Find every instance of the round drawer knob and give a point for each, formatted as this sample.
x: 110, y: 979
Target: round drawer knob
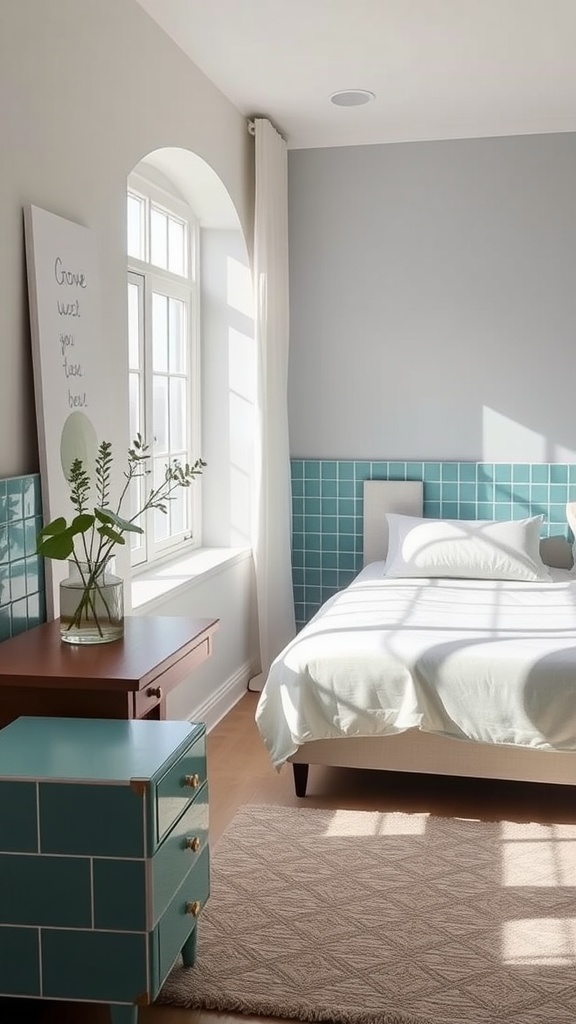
x: 193, y: 781
x: 154, y: 691
x: 193, y: 908
x: 193, y: 843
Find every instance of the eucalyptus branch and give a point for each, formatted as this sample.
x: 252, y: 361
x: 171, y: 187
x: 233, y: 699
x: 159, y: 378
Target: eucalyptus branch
x: 99, y: 530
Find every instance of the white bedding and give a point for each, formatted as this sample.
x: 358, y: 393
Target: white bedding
x: 491, y: 661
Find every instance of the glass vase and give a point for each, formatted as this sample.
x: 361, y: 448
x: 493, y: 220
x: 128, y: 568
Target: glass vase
x: 91, y: 604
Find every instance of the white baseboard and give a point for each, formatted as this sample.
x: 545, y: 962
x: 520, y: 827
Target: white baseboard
x: 212, y: 711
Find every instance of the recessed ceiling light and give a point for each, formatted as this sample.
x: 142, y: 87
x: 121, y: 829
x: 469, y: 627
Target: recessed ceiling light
x: 352, y: 97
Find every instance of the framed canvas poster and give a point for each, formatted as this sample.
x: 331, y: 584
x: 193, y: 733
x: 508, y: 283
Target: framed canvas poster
x: 69, y: 372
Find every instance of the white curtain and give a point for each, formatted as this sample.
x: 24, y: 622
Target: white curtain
x: 273, y: 521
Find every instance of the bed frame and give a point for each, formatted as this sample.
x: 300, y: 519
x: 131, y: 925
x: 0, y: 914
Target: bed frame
x: 413, y: 750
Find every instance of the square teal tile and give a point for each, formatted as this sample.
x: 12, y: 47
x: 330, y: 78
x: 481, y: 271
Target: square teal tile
x: 558, y: 474
x: 14, y: 491
x: 346, y: 471
x: 312, y: 487
x: 329, y: 488
x: 431, y: 471
x: 559, y: 493
x: 449, y: 510
x: 449, y: 492
x: 467, y: 472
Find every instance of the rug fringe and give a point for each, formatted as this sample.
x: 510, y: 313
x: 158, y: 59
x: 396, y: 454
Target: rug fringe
x: 289, y: 1012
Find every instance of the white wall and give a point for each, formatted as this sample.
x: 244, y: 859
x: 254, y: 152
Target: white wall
x: 433, y: 300
x: 88, y: 88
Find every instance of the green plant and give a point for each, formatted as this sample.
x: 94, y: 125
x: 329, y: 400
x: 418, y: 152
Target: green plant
x: 90, y: 537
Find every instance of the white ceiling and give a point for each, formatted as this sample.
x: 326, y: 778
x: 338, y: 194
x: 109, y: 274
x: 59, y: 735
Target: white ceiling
x: 441, y: 69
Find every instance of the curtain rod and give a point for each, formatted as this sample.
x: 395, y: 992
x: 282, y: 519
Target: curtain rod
x: 251, y: 125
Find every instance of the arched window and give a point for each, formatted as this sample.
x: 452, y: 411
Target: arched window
x: 164, y: 347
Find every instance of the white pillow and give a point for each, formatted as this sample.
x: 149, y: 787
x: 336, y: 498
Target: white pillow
x: 465, y: 548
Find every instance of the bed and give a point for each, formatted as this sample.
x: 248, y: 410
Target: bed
x: 455, y: 676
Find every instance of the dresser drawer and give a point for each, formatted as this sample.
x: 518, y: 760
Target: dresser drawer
x: 180, y: 850
x: 178, y: 922
x: 179, y: 786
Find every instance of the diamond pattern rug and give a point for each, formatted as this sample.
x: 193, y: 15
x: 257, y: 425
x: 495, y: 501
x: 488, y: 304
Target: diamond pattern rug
x: 367, y: 917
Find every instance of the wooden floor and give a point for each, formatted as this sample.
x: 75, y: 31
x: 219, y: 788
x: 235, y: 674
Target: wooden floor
x: 240, y: 772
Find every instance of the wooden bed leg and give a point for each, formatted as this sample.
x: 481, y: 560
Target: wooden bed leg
x: 300, y: 778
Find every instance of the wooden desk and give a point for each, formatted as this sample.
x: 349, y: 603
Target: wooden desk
x: 129, y: 678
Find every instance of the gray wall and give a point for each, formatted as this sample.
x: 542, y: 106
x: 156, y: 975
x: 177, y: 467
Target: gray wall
x: 433, y: 300
x: 88, y: 88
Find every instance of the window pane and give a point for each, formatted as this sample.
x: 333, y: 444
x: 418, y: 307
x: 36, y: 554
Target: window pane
x: 176, y: 247
x: 161, y: 520
x: 136, y: 500
x: 160, y: 413
x: 177, y: 336
x: 133, y: 326
x: 159, y: 332
x: 134, y: 393
x: 159, y: 238
x: 178, y: 413
x: 135, y: 232
x: 178, y: 511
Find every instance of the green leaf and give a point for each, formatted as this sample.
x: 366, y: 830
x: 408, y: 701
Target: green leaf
x: 111, y: 519
x: 56, y: 526
x: 81, y: 523
x: 59, y: 546
x: 110, y: 534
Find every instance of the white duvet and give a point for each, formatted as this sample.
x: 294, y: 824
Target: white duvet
x: 474, y: 659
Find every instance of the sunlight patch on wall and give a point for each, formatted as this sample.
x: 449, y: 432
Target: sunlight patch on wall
x: 240, y: 295
x: 505, y: 440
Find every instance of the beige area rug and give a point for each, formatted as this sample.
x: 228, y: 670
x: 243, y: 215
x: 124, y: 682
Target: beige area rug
x: 361, y: 917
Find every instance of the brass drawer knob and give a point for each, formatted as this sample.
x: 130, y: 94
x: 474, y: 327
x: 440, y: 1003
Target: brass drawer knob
x: 154, y: 691
x: 193, y: 908
x: 193, y: 781
x: 193, y: 843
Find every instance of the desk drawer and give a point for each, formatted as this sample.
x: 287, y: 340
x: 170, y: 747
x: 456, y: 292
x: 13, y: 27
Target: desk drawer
x: 179, y: 786
x: 147, y: 699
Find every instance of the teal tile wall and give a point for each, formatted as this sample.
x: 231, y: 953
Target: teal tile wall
x: 22, y: 603
x: 327, y: 507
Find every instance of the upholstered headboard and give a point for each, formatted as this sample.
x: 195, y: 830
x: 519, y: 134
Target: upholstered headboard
x: 407, y: 498
x: 381, y: 496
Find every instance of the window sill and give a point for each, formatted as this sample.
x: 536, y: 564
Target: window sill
x: 152, y: 585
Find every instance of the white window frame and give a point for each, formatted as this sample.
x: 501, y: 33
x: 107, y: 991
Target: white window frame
x: 149, y: 278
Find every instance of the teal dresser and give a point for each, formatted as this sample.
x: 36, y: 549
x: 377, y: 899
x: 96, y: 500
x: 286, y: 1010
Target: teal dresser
x: 104, y: 857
